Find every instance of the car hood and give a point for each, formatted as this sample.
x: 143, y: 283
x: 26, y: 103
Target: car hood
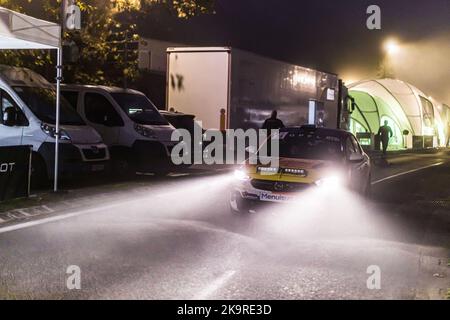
x: 82, y: 134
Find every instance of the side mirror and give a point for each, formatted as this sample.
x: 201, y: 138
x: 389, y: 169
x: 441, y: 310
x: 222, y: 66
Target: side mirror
x: 10, y: 117
x: 108, y: 121
x: 356, y: 157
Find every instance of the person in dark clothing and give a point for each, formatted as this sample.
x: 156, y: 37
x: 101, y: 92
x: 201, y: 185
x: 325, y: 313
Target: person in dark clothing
x: 273, y: 122
x: 385, y: 134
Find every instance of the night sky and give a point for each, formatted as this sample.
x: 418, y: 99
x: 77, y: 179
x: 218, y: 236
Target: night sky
x: 329, y: 35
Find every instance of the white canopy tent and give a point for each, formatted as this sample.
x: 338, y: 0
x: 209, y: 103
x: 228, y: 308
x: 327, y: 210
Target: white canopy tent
x: 19, y: 32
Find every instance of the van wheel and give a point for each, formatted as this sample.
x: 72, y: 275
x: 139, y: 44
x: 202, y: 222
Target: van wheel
x: 123, y: 166
x: 39, y: 176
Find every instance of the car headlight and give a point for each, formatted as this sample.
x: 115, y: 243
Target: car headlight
x: 144, y: 131
x: 51, y: 132
x: 333, y: 181
x: 241, y: 175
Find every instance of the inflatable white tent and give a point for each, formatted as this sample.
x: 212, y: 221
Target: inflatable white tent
x: 406, y: 109
x: 19, y: 31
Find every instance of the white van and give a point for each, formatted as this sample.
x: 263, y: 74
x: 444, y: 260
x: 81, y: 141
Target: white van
x: 138, y: 136
x: 28, y: 118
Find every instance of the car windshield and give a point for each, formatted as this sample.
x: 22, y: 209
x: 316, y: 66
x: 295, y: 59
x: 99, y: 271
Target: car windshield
x: 310, y: 146
x: 139, y: 109
x: 42, y: 102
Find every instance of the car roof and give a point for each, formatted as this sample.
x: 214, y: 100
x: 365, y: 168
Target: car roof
x: 319, y: 131
x: 109, y: 89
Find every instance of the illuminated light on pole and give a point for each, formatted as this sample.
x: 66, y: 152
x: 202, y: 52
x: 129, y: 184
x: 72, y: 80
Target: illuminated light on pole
x: 391, y: 47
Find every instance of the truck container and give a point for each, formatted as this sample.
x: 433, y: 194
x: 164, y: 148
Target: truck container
x: 227, y: 88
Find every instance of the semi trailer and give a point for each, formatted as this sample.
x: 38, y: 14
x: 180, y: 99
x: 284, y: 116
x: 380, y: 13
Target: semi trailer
x: 227, y: 88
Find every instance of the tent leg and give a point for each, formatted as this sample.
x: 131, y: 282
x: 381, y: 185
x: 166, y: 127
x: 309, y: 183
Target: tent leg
x: 58, y: 103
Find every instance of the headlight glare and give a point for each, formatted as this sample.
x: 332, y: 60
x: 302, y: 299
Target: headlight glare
x: 241, y: 175
x: 333, y: 181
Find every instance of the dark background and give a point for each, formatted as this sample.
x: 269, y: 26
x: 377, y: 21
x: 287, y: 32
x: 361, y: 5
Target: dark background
x: 323, y: 34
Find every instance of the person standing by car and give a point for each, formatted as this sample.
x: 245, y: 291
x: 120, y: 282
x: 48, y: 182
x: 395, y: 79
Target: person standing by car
x: 385, y: 134
x: 273, y: 122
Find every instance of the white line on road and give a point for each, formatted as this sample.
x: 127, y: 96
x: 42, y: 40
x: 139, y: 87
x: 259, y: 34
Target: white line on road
x: 71, y: 215
x: 215, y: 285
x: 52, y: 219
x: 406, y: 172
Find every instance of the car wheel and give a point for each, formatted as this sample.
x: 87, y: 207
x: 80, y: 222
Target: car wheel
x: 39, y: 176
x: 123, y: 167
x: 238, y: 205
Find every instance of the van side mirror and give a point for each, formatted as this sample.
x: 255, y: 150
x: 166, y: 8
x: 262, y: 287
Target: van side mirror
x: 10, y: 117
x: 111, y: 120
x: 108, y: 121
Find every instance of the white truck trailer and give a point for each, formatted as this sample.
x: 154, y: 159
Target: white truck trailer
x: 227, y: 88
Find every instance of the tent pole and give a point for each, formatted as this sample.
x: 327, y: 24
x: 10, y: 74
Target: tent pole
x: 58, y: 104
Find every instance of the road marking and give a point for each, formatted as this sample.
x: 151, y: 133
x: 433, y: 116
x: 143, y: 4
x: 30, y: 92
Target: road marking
x: 71, y: 215
x: 58, y: 218
x: 215, y: 285
x: 407, y: 172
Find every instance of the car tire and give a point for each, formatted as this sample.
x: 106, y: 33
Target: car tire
x: 238, y: 205
x: 39, y: 175
x: 123, y: 166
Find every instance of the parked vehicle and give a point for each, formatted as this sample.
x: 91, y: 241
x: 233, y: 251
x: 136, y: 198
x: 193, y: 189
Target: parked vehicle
x: 227, y: 88
x: 28, y: 116
x: 138, y: 136
x: 310, y: 158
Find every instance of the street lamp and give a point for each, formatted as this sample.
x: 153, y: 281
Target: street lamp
x: 391, y: 47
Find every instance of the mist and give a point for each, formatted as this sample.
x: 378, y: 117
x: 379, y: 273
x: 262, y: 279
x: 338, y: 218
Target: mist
x: 422, y: 63
x: 426, y: 65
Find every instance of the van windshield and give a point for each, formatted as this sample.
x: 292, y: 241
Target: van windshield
x: 42, y: 102
x: 139, y: 109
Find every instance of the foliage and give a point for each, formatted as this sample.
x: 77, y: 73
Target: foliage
x: 105, y: 47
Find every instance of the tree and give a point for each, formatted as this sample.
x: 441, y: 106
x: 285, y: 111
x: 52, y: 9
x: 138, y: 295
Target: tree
x: 103, y: 51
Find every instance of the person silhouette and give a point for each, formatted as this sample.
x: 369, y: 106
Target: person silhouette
x: 273, y: 122
x: 385, y: 133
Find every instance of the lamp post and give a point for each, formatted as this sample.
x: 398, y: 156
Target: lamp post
x: 70, y: 20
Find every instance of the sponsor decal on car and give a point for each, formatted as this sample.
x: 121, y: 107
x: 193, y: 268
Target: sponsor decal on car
x: 266, y: 196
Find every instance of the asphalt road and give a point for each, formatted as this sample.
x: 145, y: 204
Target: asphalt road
x: 176, y: 239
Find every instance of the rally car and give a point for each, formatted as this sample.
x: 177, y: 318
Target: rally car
x: 309, y: 157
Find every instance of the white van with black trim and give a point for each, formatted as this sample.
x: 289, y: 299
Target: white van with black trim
x: 138, y: 136
x: 28, y: 112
